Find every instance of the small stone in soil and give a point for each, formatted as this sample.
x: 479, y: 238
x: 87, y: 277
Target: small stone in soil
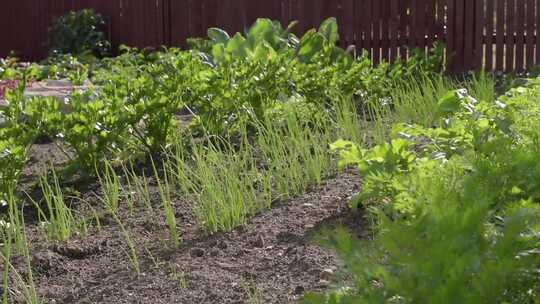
x: 299, y: 290
x: 222, y: 245
x: 197, y: 252
x: 258, y: 242
x: 327, y: 273
x: 323, y: 284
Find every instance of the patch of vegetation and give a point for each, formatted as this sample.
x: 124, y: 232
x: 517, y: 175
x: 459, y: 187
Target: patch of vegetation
x: 77, y: 33
x: 455, y: 205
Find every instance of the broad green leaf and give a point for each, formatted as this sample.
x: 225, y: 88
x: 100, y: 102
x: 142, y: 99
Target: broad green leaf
x: 329, y: 29
x: 311, y: 44
x: 263, y: 52
x: 349, y: 153
x: 218, y: 35
x: 218, y: 52
x: 450, y: 103
x: 237, y: 46
x: 263, y: 29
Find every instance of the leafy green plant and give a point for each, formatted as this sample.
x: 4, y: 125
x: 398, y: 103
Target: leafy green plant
x: 78, y: 33
x: 167, y: 204
x: 296, y: 155
x: 132, y: 246
x: 110, y: 185
x: 60, y: 224
x: 23, y: 284
x: 138, y: 191
x: 455, y: 225
x: 225, y: 185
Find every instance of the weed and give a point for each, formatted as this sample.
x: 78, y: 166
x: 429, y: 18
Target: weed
x: 138, y: 190
x: 167, y: 204
x: 110, y: 184
x: 60, y: 223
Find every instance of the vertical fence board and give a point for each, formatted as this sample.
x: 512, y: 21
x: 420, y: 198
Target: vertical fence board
x: 441, y: 19
x: 459, y: 59
x: 520, y: 35
x: 421, y: 24
x: 529, y: 47
x: 450, y: 35
x: 366, y: 17
x: 431, y: 24
x: 347, y: 23
x: 405, y: 29
x: 358, y: 25
x: 376, y: 29
x: 490, y: 9
x: 377, y: 32
x: 537, y: 32
x: 416, y: 23
x: 394, y: 32
x: 468, y: 34
x: 500, y: 32
x: 479, y: 28
x: 510, y: 30
x: 385, y: 29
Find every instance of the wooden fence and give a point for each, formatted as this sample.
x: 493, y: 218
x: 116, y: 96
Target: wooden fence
x: 498, y: 35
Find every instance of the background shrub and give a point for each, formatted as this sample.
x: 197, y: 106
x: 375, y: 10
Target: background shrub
x: 79, y: 33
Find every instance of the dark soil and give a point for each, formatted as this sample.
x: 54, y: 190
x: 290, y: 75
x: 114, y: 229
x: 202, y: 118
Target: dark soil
x: 272, y: 259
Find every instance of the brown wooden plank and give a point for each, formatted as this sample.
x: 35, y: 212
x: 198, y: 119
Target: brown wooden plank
x: 458, y: 61
x: 367, y: 17
x: 431, y: 22
x: 468, y: 34
x: 510, y: 32
x: 537, y: 32
x: 285, y: 12
x: 520, y: 35
x: 145, y: 12
x: 167, y: 39
x: 394, y: 29
x: 376, y: 28
x: 136, y: 28
x: 451, y: 32
x: 414, y: 24
x: 421, y: 24
x: 529, y: 54
x: 316, y: 13
x: 385, y: 30
x: 297, y: 14
x: 479, y: 29
x: 500, y: 32
x: 441, y: 20
x: 358, y: 27
x: 347, y: 31
x: 5, y: 39
x: 489, y: 17
x: 158, y: 29
x: 179, y: 15
x: 252, y: 11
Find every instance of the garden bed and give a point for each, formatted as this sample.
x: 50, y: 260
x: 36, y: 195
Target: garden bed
x: 272, y: 259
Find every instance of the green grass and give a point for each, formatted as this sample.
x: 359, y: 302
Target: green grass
x: 166, y: 202
x: 296, y: 155
x: 223, y: 182
x: 60, y: 224
x: 110, y: 185
x: 23, y: 284
x: 415, y: 100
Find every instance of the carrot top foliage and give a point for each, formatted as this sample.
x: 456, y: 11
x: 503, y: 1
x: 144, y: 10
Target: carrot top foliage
x: 456, y: 207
